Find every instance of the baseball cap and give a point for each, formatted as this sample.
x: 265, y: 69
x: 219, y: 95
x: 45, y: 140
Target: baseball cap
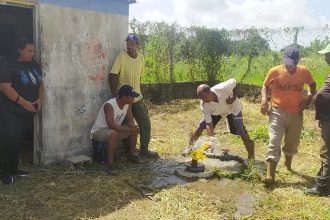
x: 133, y: 37
x: 127, y: 90
x: 291, y: 56
x: 325, y: 50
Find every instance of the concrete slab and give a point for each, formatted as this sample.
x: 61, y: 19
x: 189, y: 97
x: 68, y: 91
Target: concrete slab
x: 79, y: 159
x: 232, y: 167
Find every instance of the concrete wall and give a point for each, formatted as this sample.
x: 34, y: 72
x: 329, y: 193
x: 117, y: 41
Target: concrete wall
x: 78, y: 47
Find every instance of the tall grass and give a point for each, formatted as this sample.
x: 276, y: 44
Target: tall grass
x: 236, y: 67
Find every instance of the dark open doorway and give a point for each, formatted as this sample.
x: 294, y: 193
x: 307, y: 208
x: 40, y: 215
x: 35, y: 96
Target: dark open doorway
x: 17, y: 21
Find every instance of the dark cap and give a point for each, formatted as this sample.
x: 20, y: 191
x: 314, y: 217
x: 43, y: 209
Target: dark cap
x: 133, y: 38
x: 127, y: 90
x: 291, y: 56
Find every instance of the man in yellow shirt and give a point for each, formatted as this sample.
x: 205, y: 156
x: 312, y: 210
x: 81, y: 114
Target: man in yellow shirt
x: 127, y: 70
x: 284, y: 84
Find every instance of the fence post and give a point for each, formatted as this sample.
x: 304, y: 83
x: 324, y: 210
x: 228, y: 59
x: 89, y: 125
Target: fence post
x: 296, y: 37
x: 171, y: 54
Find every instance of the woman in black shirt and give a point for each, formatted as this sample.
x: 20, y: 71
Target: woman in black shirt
x: 21, y: 94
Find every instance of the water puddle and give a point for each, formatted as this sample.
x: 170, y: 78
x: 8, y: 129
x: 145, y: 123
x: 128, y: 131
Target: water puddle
x: 168, y: 171
x: 165, y: 173
x: 226, y: 190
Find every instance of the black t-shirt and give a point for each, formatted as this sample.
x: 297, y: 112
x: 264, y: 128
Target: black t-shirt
x: 25, y: 78
x: 322, y: 101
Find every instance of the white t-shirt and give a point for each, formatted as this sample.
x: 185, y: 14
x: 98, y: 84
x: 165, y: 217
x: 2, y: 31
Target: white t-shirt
x: 223, y: 91
x: 118, y: 116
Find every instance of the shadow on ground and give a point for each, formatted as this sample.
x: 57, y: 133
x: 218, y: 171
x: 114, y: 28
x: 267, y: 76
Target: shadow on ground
x: 87, y: 191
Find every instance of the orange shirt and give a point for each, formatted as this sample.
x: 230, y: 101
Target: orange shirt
x: 286, y: 89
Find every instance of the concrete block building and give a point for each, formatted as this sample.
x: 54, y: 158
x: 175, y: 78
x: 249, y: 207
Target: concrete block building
x: 77, y: 42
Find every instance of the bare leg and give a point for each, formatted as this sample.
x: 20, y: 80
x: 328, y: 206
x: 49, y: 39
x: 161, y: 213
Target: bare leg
x: 132, y: 143
x: 249, y: 145
x: 269, y: 179
x: 288, y: 162
x: 112, y: 145
x: 198, y: 132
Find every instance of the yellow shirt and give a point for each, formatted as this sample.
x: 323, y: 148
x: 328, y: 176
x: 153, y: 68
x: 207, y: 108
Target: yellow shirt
x: 286, y: 89
x: 129, y: 71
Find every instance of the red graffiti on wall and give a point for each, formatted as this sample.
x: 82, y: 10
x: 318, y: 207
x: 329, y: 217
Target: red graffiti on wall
x: 90, y: 57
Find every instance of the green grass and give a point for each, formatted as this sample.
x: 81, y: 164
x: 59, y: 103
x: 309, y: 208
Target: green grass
x: 71, y: 194
x: 260, y: 133
x: 234, y: 67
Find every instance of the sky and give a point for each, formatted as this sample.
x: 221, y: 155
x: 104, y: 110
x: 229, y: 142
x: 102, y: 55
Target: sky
x: 234, y: 14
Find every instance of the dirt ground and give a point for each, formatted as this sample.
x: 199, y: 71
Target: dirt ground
x: 87, y: 192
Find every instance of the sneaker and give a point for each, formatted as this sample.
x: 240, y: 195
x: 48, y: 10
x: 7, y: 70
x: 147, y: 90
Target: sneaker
x: 7, y: 179
x: 20, y: 173
x: 134, y: 158
x: 149, y: 154
x: 111, y: 170
x: 314, y: 191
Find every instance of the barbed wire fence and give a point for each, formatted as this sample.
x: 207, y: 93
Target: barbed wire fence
x: 174, y: 53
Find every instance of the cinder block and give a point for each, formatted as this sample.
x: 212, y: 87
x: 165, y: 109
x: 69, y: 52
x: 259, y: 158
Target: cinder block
x: 79, y: 159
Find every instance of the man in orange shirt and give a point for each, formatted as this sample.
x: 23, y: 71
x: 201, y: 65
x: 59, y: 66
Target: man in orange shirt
x: 284, y: 84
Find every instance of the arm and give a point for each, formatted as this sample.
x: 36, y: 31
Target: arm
x: 232, y: 99
x: 108, y: 111
x: 264, y: 100
x: 131, y: 123
x: 12, y: 95
x: 40, y: 98
x: 114, y: 75
x: 310, y: 95
x: 113, y: 83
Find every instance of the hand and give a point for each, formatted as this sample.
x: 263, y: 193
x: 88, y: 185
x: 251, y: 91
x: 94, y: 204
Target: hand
x: 230, y: 100
x: 264, y: 108
x: 28, y: 106
x: 37, y: 104
x: 304, y: 104
x: 135, y: 130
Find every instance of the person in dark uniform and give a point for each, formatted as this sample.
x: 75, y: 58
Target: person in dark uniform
x: 21, y: 94
x: 322, y: 107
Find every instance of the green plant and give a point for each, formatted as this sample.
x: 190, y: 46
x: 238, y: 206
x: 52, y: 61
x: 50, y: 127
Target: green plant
x: 308, y: 134
x: 251, y: 172
x: 260, y: 132
x: 219, y: 173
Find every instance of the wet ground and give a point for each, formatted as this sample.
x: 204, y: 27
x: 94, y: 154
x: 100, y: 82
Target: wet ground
x: 166, y: 175
x: 226, y: 190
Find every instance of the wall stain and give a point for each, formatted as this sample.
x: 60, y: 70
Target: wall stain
x: 90, y: 57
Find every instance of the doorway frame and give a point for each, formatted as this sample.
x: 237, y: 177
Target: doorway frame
x: 37, y: 125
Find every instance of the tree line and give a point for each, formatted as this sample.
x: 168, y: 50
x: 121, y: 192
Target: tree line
x: 174, y: 53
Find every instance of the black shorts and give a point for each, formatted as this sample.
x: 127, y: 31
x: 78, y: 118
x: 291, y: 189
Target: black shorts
x: 235, y: 122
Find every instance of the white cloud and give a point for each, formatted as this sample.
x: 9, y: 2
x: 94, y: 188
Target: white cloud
x: 151, y: 10
x: 246, y: 13
x: 155, y: 15
x: 229, y: 13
